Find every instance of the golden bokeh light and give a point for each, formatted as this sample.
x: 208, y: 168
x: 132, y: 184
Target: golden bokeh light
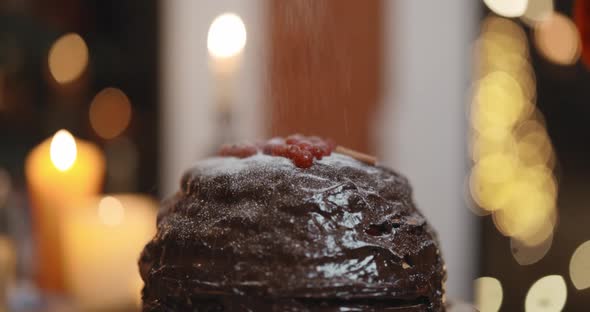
x: 511, y: 42
x: 537, y: 11
x: 62, y: 150
x: 495, y: 168
x: 507, y: 8
x: 558, y: 40
x: 528, y: 84
x: 487, y: 143
x: 227, y: 36
x: 110, y: 113
x: 497, y: 24
x: 498, y: 101
x: 486, y: 195
x: 494, y: 56
x: 512, y: 175
x: 533, y: 144
x: 580, y: 266
x: 488, y: 294
x: 525, y: 211
x: 534, y: 149
x: 526, y: 254
x: 547, y: 294
x: 68, y: 58
x: 111, y: 211
x: 541, y: 177
x: 492, y: 132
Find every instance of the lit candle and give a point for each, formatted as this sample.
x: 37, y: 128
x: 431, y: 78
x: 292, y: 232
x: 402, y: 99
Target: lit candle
x: 226, y: 40
x: 60, y: 171
x: 102, y: 243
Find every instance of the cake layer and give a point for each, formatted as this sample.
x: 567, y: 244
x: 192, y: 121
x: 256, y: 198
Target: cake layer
x: 260, y: 227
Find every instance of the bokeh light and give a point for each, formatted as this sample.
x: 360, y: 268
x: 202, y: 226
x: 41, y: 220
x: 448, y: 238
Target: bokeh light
x: 68, y: 58
x: 486, y: 144
x: 507, y: 8
x: 526, y: 254
x: 558, y: 40
x: 547, y: 294
x: 495, y: 168
x: 488, y: 294
x: 111, y: 211
x: 226, y: 36
x: 110, y: 113
x: 512, y: 174
x: 526, y: 209
x: 498, y: 101
x: 580, y: 266
x: 537, y: 11
x: 497, y: 24
x: 62, y: 150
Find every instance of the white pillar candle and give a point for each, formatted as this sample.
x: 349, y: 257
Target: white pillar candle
x: 102, y: 243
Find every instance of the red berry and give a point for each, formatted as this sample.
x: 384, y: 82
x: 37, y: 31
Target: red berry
x: 279, y: 150
x: 300, y: 149
x: 304, y: 145
x: 293, y: 151
x: 246, y: 150
x: 225, y: 150
x: 317, y: 152
x: 238, y: 150
x: 267, y: 148
x: 303, y: 160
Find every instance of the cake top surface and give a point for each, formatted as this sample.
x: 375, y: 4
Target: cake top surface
x: 261, y: 225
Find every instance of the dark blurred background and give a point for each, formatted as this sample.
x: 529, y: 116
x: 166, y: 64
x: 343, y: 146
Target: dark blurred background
x: 561, y: 97
x: 122, y: 38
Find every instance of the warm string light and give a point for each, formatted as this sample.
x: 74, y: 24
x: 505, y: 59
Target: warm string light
x: 580, y: 266
x: 507, y: 8
x: 537, y: 11
x: 555, y: 35
x: 488, y: 294
x: 558, y: 39
x: 110, y: 211
x: 68, y: 58
x: 512, y: 175
x: 547, y: 294
x: 110, y: 113
x: 529, y: 254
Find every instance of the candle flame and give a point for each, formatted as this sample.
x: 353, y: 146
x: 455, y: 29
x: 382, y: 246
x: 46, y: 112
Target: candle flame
x: 227, y: 36
x: 62, y: 150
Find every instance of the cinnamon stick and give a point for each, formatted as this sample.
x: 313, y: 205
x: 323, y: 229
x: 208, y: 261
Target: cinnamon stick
x: 366, y: 158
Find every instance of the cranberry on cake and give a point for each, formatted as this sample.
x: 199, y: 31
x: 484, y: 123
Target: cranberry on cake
x: 292, y: 224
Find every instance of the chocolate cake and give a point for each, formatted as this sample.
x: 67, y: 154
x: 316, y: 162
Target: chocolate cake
x: 258, y: 229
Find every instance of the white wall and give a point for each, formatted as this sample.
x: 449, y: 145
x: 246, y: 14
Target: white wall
x: 187, y: 102
x: 424, y: 124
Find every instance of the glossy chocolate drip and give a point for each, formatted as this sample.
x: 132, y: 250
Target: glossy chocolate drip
x: 260, y: 234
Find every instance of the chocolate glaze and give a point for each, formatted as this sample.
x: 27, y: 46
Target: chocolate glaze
x: 259, y: 234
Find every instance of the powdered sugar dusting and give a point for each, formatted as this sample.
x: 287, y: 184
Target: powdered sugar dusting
x: 216, y: 166
x: 232, y: 165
